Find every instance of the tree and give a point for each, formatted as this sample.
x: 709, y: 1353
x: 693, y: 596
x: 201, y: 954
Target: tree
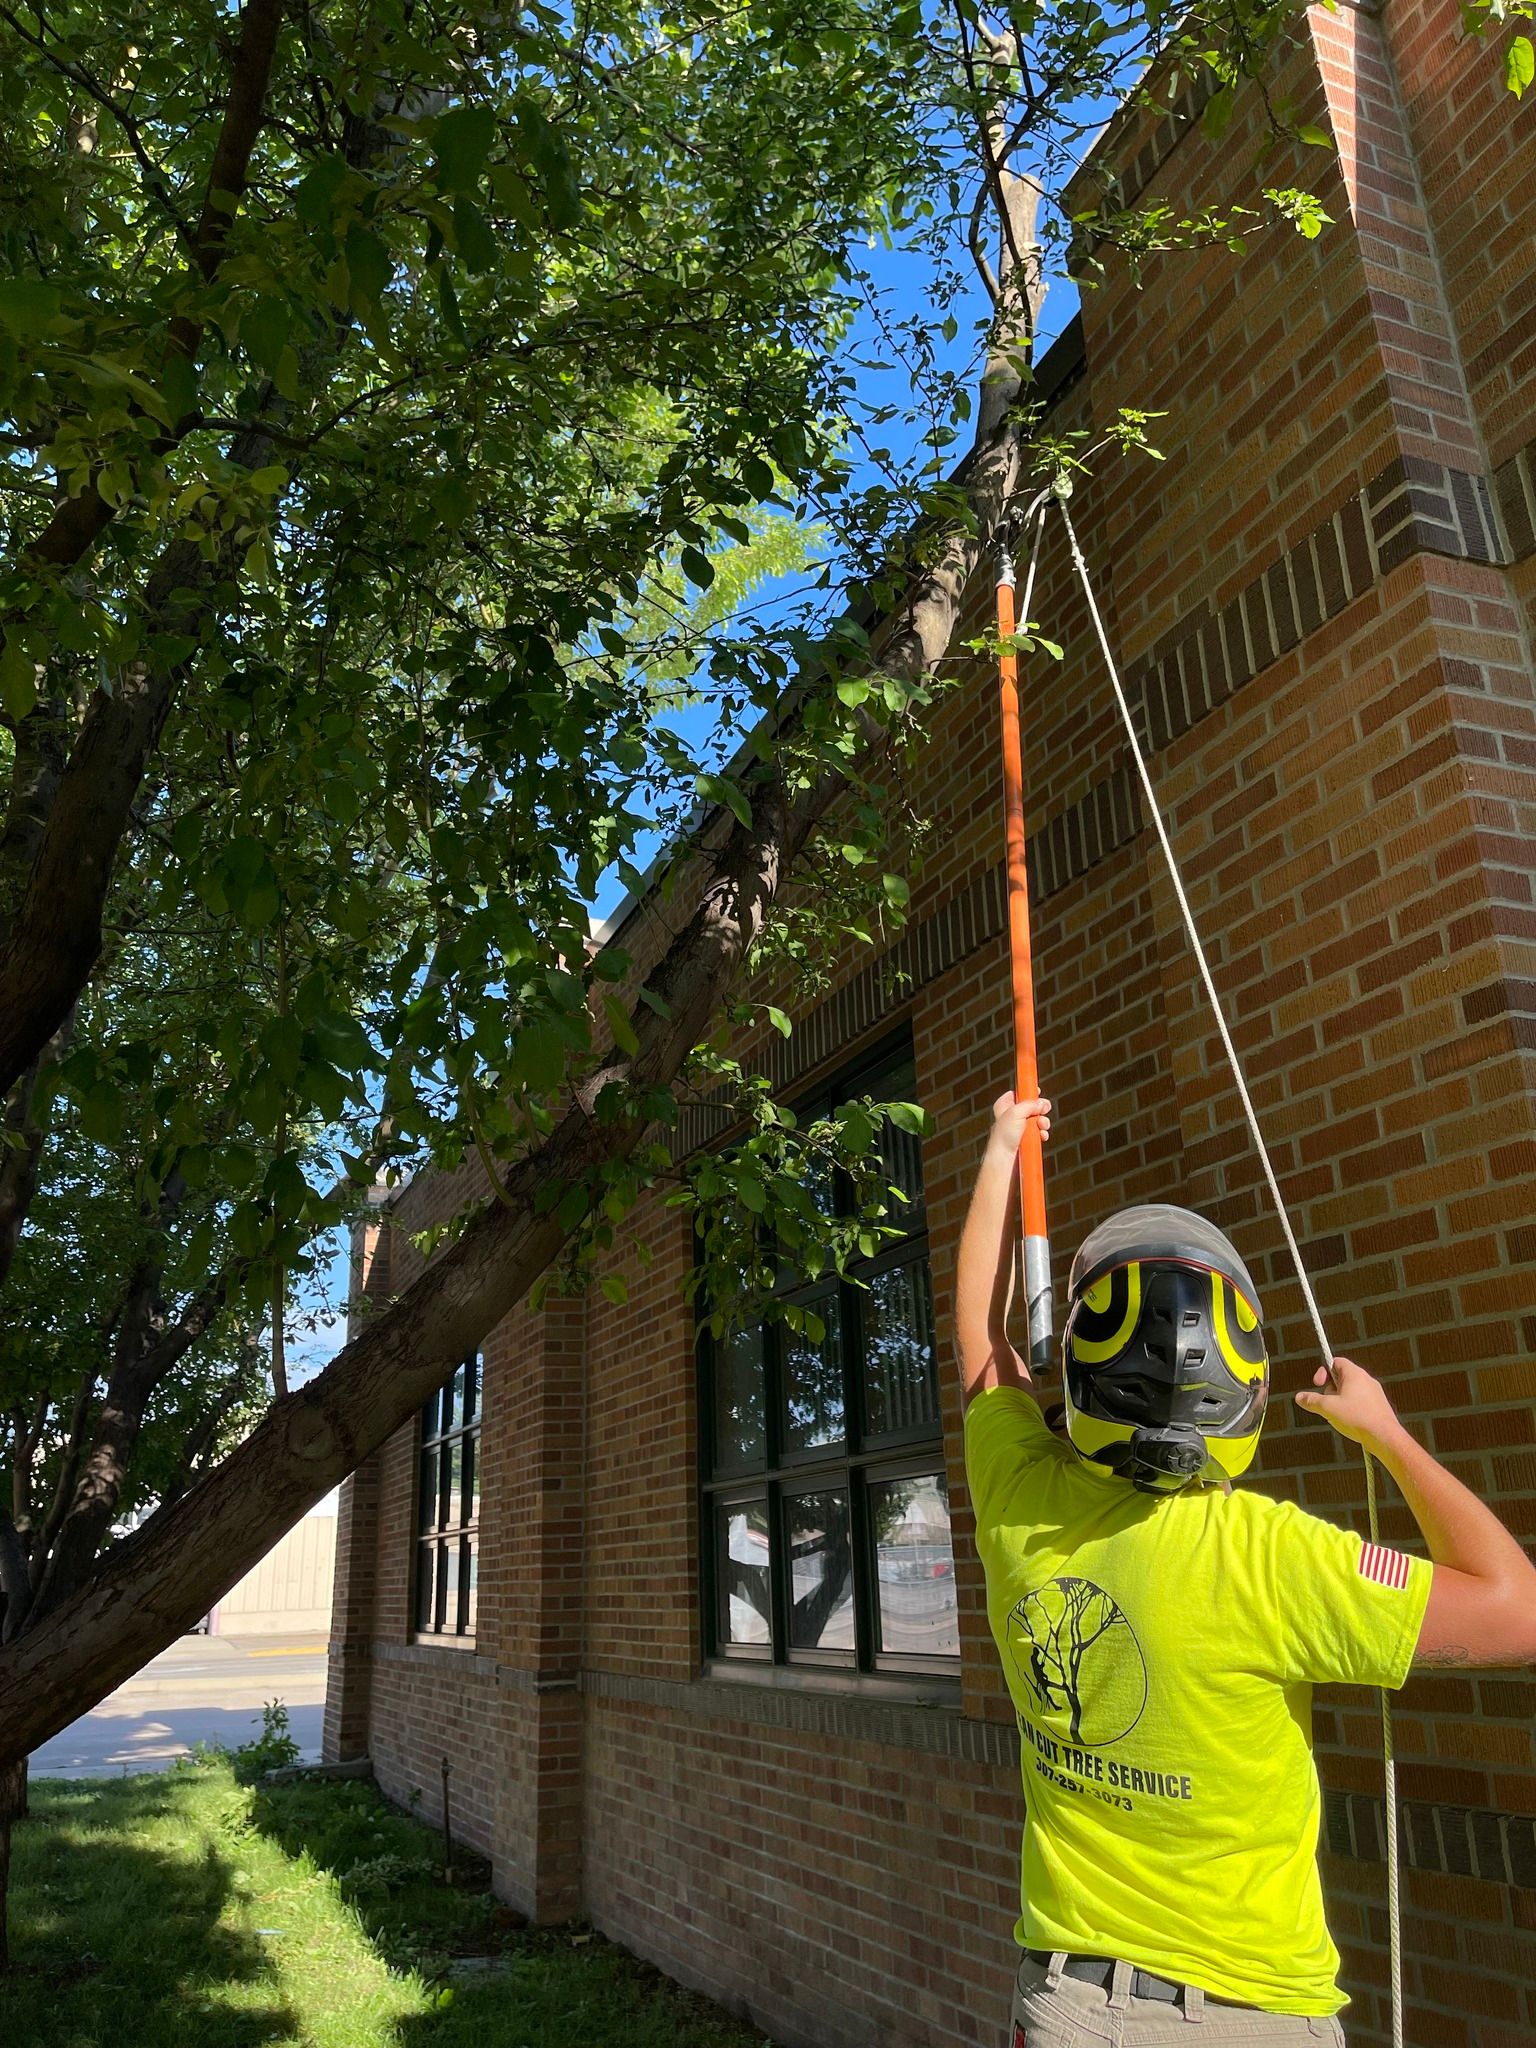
x: 379, y: 388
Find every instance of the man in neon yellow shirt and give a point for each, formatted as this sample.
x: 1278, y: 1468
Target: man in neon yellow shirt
x: 1161, y: 1633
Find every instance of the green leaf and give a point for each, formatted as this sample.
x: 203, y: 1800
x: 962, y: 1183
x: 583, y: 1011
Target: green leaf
x: 18, y: 678
x: 778, y: 1020
x: 909, y: 1117
x: 178, y: 386
x: 720, y: 789
x: 27, y: 307
x: 551, y: 160
x: 537, y: 1058
x: 858, y: 1129
x: 315, y: 197
x: 463, y: 142
x: 1519, y: 65
x: 618, y: 1023
x: 368, y: 267
x: 264, y: 329
x: 697, y: 568
x: 448, y: 305
x: 342, y: 1040
x: 473, y: 237
x: 249, y: 882
x: 614, y: 1288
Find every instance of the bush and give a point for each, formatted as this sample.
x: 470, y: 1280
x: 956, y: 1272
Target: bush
x: 272, y: 1750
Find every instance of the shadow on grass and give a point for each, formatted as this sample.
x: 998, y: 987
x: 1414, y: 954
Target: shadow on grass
x: 389, y: 1869
x: 546, y: 1988
x: 115, y: 1940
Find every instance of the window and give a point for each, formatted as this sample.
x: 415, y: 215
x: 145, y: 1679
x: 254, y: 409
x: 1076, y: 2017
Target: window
x: 448, y: 1507
x: 826, y: 1509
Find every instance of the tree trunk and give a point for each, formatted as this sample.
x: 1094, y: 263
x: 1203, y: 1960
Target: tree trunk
x: 13, y: 1807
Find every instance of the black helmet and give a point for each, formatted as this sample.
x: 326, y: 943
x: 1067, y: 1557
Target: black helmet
x: 1166, y: 1375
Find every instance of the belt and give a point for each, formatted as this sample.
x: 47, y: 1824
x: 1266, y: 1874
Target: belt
x: 1100, y: 1970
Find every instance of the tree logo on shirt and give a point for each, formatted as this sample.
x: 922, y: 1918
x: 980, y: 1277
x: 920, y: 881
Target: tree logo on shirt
x: 1079, y: 1661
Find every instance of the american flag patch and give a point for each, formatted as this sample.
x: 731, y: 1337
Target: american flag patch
x: 1384, y: 1567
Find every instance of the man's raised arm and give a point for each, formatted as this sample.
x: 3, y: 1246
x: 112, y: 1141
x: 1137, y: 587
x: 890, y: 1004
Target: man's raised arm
x: 1482, y: 1603
x: 984, y: 1279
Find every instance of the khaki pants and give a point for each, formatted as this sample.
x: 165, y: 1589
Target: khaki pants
x: 1053, y: 2011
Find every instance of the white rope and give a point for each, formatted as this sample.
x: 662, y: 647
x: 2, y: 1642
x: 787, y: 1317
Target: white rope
x: 1155, y: 813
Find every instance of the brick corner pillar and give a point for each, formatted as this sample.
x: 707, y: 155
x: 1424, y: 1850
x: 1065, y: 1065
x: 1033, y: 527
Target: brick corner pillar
x: 349, y: 1663
x: 533, y: 1512
x: 1433, y: 423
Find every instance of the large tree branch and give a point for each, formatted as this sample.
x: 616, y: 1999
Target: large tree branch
x: 64, y: 1486
x: 186, y: 1556
x: 54, y: 936
x: 180, y: 1562
x: 143, y: 1354
x: 15, y: 1585
x: 25, y: 1130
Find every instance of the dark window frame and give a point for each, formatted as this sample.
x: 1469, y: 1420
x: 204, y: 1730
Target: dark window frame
x: 856, y: 1464
x: 442, y: 1427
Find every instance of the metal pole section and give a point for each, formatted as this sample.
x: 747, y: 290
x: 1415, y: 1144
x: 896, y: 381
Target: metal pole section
x: 1026, y: 1082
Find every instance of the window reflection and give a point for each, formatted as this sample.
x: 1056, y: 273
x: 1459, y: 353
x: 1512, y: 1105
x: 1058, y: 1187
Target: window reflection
x: 813, y: 1381
x: 900, y: 1374
x: 820, y: 1548
x: 739, y: 1417
x: 915, y: 1566
x: 741, y: 1553
x: 426, y: 1560
x: 468, y: 1583
x: 825, y: 1426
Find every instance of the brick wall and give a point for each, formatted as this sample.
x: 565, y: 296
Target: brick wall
x: 1322, y: 601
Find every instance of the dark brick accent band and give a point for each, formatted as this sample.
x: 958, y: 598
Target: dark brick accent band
x: 936, y: 1731
x: 1458, y: 1841
x: 1514, y: 484
x: 1411, y: 508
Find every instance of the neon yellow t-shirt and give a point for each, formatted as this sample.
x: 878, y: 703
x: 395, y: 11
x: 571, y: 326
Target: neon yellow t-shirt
x: 1160, y: 1652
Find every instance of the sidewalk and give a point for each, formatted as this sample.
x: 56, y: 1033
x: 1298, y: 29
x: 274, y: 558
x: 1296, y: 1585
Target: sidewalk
x: 202, y: 1689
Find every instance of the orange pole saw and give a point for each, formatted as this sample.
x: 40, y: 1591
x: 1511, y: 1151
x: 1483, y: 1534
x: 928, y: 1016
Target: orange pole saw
x: 1026, y: 1082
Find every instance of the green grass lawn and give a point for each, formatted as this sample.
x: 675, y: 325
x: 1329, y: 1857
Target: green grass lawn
x: 182, y: 1909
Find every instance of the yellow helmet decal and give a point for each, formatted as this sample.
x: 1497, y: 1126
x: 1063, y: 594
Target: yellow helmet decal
x: 1245, y: 1360
x: 1096, y: 1350
x: 1090, y: 1433
x: 1234, y: 1454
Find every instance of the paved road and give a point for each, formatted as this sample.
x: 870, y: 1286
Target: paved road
x: 202, y: 1689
